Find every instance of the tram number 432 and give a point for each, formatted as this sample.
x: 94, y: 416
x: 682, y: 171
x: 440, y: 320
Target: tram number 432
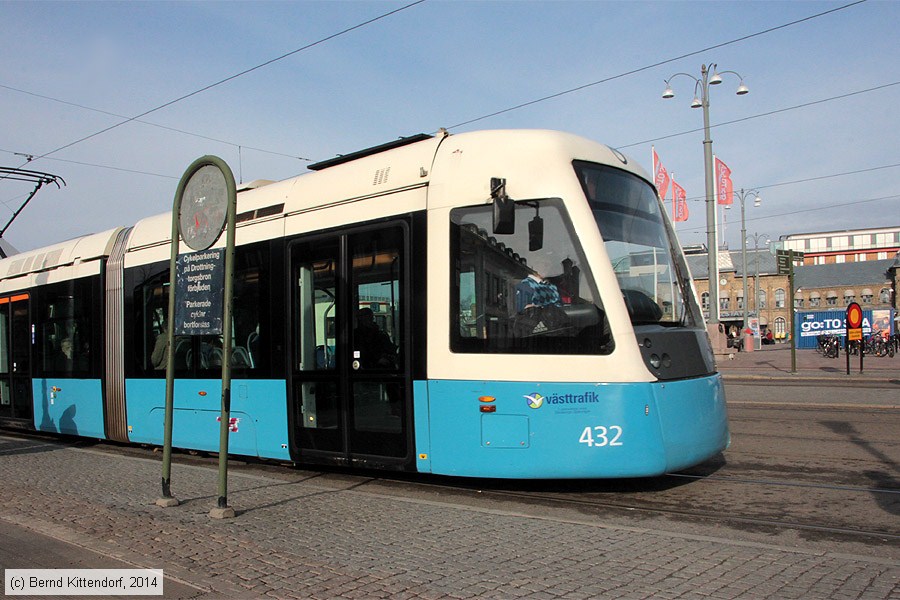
x: 600, y: 436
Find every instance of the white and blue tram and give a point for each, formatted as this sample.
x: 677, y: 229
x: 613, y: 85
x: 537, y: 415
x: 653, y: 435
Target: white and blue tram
x: 610, y: 375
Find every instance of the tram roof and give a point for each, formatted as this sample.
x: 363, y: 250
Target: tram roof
x: 405, y: 163
x: 77, y: 250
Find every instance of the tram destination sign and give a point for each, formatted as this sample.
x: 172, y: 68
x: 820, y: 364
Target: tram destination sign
x: 199, y: 292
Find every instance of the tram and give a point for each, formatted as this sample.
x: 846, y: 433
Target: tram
x: 535, y: 319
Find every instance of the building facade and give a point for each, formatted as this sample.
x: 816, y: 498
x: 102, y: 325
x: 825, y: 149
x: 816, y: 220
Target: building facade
x: 872, y: 284
x: 832, y: 286
x: 767, y: 291
x: 849, y: 246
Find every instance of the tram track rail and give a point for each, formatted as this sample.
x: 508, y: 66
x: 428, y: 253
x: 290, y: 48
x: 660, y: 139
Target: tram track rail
x: 801, y: 484
x: 707, y: 515
x: 581, y: 496
x: 589, y: 502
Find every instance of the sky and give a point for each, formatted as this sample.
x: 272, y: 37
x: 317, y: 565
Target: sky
x: 817, y: 136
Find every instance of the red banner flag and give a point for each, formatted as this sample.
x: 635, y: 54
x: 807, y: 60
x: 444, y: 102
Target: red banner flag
x: 660, y: 175
x: 724, y: 187
x: 679, y: 203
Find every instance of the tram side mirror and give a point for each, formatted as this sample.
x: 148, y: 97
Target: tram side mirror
x: 535, y: 234
x: 504, y: 208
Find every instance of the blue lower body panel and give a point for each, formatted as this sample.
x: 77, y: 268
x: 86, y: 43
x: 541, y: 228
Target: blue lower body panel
x: 258, y: 415
x: 69, y: 406
x: 568, y: 430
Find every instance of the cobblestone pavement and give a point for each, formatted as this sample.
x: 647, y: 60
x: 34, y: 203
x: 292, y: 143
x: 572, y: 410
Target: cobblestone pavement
x: 303, y: 539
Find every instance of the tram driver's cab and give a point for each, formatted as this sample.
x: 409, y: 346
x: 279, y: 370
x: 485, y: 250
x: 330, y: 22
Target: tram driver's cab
x: 528, y: 291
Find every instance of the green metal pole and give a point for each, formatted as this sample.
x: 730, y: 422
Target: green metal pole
x: 224, y: 425
x: 170, y: 361
x: 167, y: 498
x: 791, y: 311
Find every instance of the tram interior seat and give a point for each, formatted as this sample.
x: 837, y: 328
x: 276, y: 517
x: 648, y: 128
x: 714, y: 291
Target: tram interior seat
x: 566, y: 320
x: 253, y: 347
x: 240, y: 358
x: 211, y: 357
x: 582, y: 315
x: 641, y: 307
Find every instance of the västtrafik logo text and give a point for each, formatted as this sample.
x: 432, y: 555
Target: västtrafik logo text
x: 536, y: 400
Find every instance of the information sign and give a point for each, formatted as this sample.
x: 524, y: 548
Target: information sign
x: 784, y: 263
x: 783, y: 259
x: 200, y: 281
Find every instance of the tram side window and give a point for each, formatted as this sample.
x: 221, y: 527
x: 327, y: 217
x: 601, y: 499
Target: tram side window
x: 315, y: 308
x: 205, y: 352
x: 5, y: 395
x: 378, y: 298
x: 4, y: 346
x: 508, y: 298
x: 250, y: 310
x: 154, y: 303
x: 64, y: 328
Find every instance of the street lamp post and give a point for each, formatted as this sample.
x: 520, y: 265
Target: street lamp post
x: 702, y: 101
x: 756, y: 238
x: 742, y: 195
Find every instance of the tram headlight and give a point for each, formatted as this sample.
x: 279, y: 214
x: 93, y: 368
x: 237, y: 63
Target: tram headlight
x: 655, y: 361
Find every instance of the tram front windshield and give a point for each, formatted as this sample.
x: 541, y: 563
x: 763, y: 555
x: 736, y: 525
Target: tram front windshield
x: 640, y: 245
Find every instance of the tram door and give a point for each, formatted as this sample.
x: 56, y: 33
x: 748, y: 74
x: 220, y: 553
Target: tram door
x: 15, y: 358
x: 350, y: 374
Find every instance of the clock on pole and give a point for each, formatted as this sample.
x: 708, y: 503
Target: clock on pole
x: 204, y: 207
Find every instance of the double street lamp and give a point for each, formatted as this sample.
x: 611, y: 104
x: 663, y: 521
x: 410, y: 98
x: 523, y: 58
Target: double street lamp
x: 742, y: 195
x: 701, y: 85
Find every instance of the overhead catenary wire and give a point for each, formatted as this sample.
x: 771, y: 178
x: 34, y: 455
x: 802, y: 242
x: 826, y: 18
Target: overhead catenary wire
x: 150, y: 123
x: 618, y: 147
x: 757, y: 116
x: 654, y: 65
x: 231, y: 78
x: 532, y: 102
x: 382, y: 16
x: 9, y: 201
x: 555, y: 95
x: 805, y: 180
x: 800, y: 211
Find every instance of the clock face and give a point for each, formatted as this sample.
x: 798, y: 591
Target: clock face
x: 204, y: 207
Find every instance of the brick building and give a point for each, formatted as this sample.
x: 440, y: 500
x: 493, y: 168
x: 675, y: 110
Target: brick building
x: 769, y: 303
x: 873, y: 284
